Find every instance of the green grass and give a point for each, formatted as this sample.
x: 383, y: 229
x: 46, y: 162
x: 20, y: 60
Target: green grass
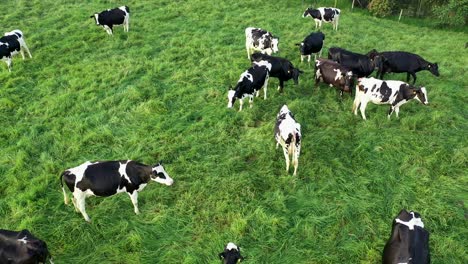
x: 159, y: 92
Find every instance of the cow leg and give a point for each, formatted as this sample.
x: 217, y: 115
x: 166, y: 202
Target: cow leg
x: 357, y: 101
x: 74, y: 205
x: 397, y: 110
x: 27, y: 49
x: 363, y: 109
x: 126, y: 21
x: 22, y: 53
x: 295, y: 158
x: 265, y: 86
x: 414, y: 77
x: 251, y: 102
x: 281, y: 85
x: 8, y: 62
x: 302, y: 58
x: 286, y: 156
x: 257, y: 93
x: 247, y: 47
x: 308, y: 59
x: 80, y: 202
x: 134, y: 198
x: 241, y: 102
x: 390, y: 111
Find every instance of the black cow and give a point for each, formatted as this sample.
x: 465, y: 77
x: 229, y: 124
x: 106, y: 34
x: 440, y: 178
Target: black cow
x: 21, y: 247
x: 334, y: 74
x: 10, y: 44
x: 401, y: 61
x: 324, y: 14
x: 112, y: 17
x: 250, y: 82
x: 280, y: 68
x: 106, y: 178
x: 312, y: 44
x: 361, y: 65
x: 409, y: 241
x: 231, y: 254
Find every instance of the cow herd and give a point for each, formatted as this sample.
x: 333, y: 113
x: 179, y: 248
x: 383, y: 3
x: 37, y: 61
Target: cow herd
x: 343, y: 69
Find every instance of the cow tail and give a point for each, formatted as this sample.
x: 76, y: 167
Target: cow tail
x: 65, y: 196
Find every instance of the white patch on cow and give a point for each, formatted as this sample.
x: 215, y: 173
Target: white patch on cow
x: 167, y: 181
x: 78, y: 171
x: 96, y: 18
x: 247, y: 75
x: 415, y: 221
x: 317, y: 63
x: 232, y: 246
x: 123, y: 170
x: 23, y: 240
x: 424, y: 91
x: 260, y: 64
x: 338, y: 74
x: 274, y: 45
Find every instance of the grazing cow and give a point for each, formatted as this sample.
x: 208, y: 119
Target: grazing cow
x: 361, y: 65
x: 106, y: 178
x: 408, y: 242
x: 280, y: 68
x: 400, y: 61
x: 12, y: 43
x: 334, y: 74
x: 394, y: 93
x: 312, y: 44
x: 231, y: 254
x: 324, y: 14
x: 250, y: 82
x: 112, y: 17
x: 288, y: 135
x: 21, y: 247
x: 257, y: 39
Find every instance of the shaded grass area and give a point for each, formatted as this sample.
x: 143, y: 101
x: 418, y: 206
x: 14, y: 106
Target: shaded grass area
x: 159, y: 92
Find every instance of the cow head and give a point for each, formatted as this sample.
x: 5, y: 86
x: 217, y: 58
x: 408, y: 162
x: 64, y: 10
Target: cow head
x: 231, y: 254
x: 314, y: 13
x: 410, y: 219
x: 274, y: 44
x: 159, y: 174
x: 231, y: 98
x: 433, y: 68
x: 349, y: 78
x: 421, y: 95
x: 294, y: 73
x: 378, y: 61
x: 95, y: 16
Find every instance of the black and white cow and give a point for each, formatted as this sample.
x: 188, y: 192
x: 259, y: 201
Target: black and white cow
x: 22, y: 247
x: 312, y: 44
x: 113, y: 17
x: 288, y: 135
x: 12, y: 43
x: 324, y: 14
x: 408, y: 242
x: 231, y: 254
x: 257, y: 39
x: 281, y: 68
x: 394, y: 93
x: 106, y: 178
x: 334, y: 74
x: 361, y: 65
x: 250, y: 82
x: 400, y: 61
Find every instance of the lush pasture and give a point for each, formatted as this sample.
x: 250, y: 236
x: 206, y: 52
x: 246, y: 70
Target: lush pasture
x: 159, y: 92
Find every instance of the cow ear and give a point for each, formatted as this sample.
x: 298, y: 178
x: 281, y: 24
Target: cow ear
x: 160, y: 162
x: 91, y: 16
x: 221, y: 255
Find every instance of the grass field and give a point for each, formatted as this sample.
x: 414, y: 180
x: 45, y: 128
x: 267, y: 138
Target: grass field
x: 159, y: 93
